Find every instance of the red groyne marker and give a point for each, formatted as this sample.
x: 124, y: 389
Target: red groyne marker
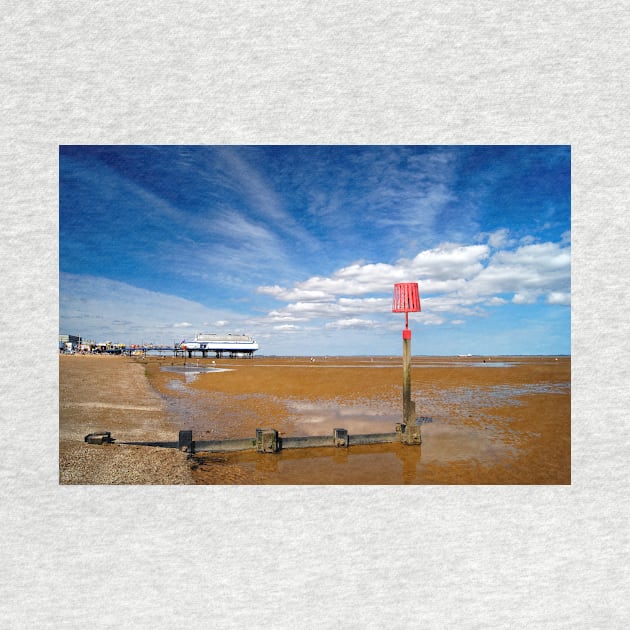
x: 407, y: 300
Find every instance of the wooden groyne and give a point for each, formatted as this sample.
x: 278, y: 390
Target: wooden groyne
x: 270, y: 441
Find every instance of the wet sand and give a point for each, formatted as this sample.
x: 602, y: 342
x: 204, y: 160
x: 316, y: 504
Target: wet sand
x: 505, y: 421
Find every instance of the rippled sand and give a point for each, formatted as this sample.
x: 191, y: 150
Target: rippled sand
x: 494, y: 420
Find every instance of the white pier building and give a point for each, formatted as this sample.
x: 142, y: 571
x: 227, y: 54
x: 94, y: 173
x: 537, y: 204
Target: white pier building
x: 232, y: 345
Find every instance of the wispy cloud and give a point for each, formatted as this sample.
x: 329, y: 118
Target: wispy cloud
x: 305, y: 243
x: 262, y: 199
x: 247, y: 180
x: 94, y: 307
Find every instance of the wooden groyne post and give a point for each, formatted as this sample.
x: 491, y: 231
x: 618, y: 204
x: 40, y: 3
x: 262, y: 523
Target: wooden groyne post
x: 407, y: 300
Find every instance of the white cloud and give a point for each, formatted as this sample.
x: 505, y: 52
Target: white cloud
x: 286, y: 328
x: 527, y: 240
x: 496, y: 301
x: 456, y: 282
x: 352, y: 322
x: 449, y: 262
x: 443, y: 268
x: 301, y: 294
x: 453, y: 278
x: 431, y: 319
x: 543, y: 267
x: 499, y: 238
x: 451, y: 303
x: 279, y: 316
x: 557, y: 297
x: 364, y: 305
x: 348, y: 307
x: 525, y: 298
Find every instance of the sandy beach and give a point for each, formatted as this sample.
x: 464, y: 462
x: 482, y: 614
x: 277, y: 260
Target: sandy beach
x: 110, y: 393
x: 494, y: 420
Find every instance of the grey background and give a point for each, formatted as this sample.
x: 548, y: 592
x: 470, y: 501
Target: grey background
x: 306, y: 72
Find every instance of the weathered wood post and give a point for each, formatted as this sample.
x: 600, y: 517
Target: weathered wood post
x: 406, y: 300
x: 267, y: 441
x: 409, y: 407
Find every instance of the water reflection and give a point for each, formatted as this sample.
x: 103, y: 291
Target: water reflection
x: 191, y: 372
x: 448, y: 440
x: 321, y: 417
x: 393, y: 463
x: 375, y: 464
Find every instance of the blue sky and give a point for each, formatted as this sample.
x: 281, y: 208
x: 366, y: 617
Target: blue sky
x: 300, y: 246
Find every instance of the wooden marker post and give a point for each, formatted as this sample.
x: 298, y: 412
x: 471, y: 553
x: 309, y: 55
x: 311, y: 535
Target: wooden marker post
x: 409, y: 407
x: 406, y: 300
